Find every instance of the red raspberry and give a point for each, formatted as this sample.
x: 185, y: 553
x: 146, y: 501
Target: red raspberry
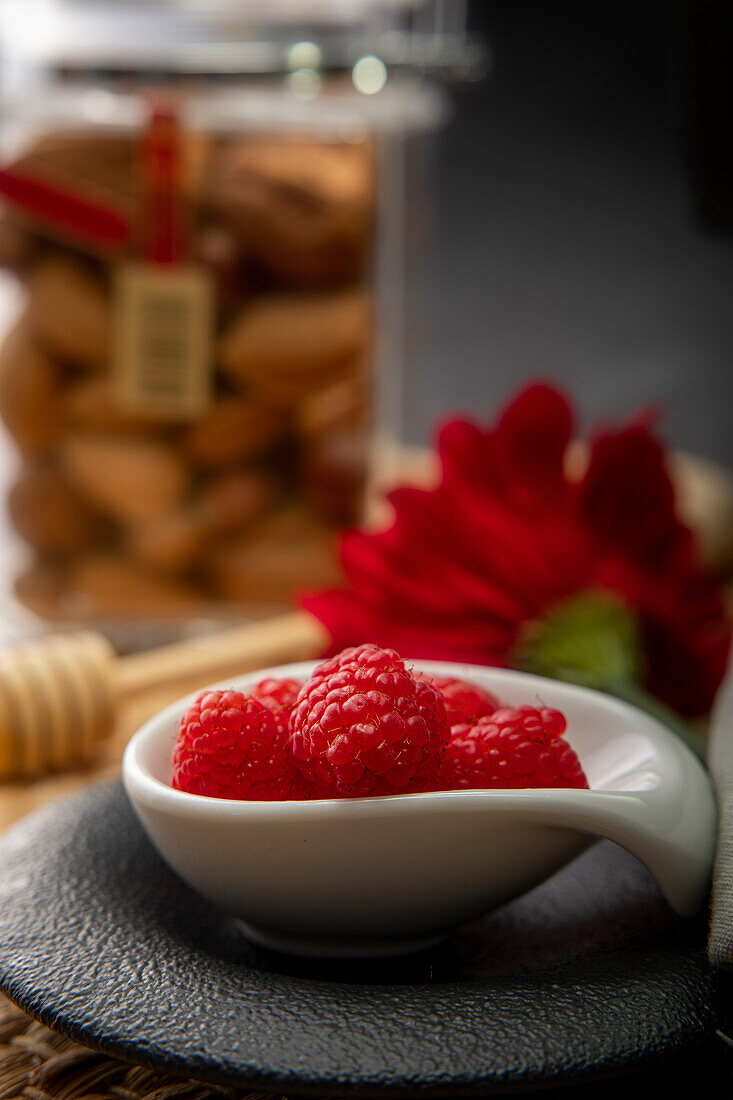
x: 280, y: 693
x: 464, y: 701
x: 231, y: 746
x: 279, y: 697
x: 363, y: 724
x: 513, y: 748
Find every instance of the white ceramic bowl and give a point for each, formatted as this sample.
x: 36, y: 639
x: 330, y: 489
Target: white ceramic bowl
x: 375, y: 876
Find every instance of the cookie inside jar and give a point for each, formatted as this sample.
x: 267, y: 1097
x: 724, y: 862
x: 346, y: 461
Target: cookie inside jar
x: 240, y: 499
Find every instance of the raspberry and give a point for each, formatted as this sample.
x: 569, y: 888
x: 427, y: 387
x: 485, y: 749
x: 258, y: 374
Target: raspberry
x: 279, y: 697
x: 464, y: 701
x: 231, y: 746
x: 513, y: 748
x: 279, y: 693
x: 363, y: 724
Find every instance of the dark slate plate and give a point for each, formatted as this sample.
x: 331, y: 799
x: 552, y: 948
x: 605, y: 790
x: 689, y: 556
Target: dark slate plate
x: 587, y: 976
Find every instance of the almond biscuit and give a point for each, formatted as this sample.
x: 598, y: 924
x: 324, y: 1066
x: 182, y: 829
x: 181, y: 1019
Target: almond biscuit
x: 127, y: 479
x: 29, y: 393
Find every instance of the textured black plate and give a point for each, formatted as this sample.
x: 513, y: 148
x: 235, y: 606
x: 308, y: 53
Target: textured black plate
x: 587, y: 976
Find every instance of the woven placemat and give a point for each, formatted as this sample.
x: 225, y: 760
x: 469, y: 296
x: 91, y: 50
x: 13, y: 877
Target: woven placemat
x: 38, y: 1064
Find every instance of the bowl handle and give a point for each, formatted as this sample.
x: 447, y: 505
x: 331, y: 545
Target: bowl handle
x: 670, y: 827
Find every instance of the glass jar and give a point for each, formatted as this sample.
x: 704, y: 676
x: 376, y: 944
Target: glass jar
x: 210, y: 211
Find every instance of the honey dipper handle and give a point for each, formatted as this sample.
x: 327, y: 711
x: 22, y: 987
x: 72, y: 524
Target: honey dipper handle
x: 296, y: 636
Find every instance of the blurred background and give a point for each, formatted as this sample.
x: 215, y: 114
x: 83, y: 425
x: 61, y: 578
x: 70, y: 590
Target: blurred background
x: 252, y: 252
x: 586, y: 201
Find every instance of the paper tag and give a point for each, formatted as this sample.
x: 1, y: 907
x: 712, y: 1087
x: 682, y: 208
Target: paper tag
x: 163, y: 340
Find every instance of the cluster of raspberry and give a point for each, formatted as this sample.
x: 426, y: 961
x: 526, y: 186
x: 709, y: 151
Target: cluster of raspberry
x: 366, y: 724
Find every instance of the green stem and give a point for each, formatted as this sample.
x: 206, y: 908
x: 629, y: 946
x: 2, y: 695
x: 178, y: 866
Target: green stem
x: 592, y: 638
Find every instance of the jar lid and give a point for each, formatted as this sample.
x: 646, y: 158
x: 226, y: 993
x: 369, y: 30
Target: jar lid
x: 237, y: 37
x: 327, y: 65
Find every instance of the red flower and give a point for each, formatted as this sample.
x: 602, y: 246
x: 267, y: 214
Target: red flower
x: 506, y: 535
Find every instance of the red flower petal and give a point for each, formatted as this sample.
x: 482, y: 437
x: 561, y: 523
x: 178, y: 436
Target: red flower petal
x: 627, y: 498
x: 506, y: 535
x: 522, y: 460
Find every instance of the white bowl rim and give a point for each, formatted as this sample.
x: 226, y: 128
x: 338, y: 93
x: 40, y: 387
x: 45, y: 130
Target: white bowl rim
x: 154, y: 791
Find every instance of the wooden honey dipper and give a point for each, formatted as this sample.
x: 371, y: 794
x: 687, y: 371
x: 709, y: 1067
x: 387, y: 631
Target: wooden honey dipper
x: 59, y: 694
